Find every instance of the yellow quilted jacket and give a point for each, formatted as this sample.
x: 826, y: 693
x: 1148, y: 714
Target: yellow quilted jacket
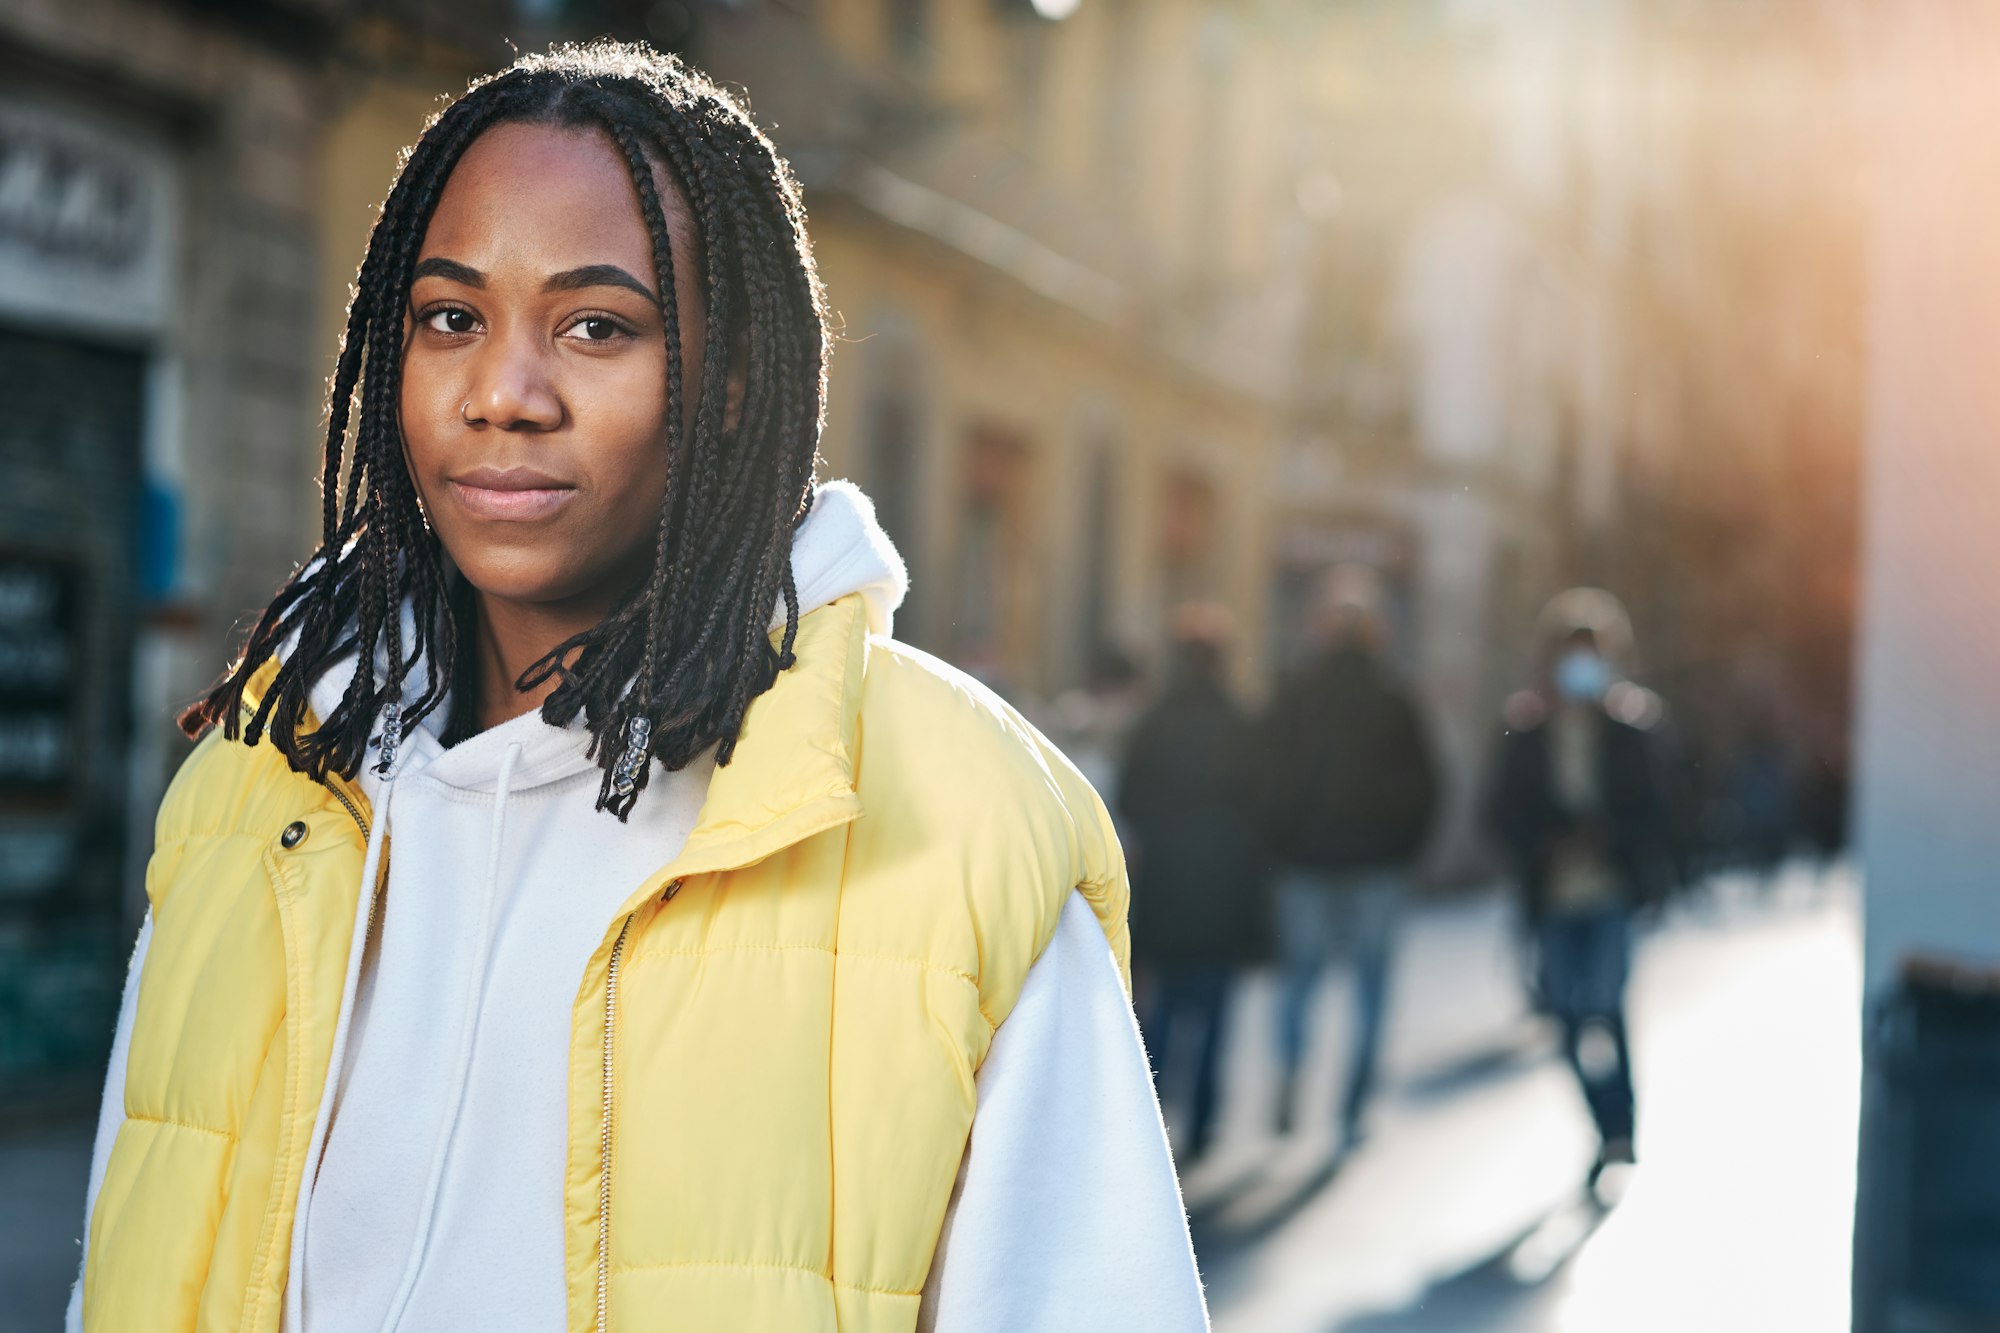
x: 771, y: 1054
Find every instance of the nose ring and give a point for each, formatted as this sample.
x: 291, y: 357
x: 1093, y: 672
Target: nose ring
x: 465, y: 412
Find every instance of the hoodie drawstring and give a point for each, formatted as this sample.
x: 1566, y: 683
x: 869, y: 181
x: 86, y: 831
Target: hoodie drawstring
x: 467, y: 1034
x: 365, y: 908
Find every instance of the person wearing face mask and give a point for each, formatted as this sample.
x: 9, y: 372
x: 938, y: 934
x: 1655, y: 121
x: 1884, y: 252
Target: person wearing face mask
x: 1575, y: 803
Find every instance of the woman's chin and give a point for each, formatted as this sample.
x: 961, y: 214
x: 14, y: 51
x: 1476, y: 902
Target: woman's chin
x: 515, y: 582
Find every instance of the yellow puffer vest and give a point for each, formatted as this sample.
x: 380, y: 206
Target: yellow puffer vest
x: 772, y: 1051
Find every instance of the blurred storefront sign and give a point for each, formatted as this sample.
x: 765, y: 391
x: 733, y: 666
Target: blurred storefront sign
x: 86, y: 236
x: 40, y: 709
x: 39, y: 651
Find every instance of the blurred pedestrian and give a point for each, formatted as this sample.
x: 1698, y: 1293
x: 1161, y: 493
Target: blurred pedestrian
x: 1823, y: 805
x: 535, y: 938
x: 1576, y: 803
x: 1350, y: 791
x: 1093, y: 723
x: 1199, y: 910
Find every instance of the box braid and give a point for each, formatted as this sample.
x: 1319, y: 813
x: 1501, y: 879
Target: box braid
x: 691, y: 649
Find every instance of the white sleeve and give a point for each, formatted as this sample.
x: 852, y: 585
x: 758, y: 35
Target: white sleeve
x: 1067, y: 1214
x: 110, y: 1113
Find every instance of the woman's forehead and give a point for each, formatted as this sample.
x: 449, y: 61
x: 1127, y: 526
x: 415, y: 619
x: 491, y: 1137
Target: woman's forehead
x: 549, y: 199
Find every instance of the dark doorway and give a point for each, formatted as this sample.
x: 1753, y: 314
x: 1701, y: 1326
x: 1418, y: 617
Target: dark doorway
x: 69, y: 517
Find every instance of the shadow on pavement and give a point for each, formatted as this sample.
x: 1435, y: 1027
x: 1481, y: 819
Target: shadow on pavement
x: 1502, y: 1292
x: 1511, y: 1053
x: 1258, y: 1205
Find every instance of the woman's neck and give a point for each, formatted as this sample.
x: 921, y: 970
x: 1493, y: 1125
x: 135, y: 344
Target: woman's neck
x: 510, y: 637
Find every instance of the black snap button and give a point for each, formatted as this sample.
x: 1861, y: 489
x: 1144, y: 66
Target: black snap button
x: 294, y: 834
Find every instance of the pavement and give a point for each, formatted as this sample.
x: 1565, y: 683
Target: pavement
x: 1463, y: 1211
x: 44, y: 1171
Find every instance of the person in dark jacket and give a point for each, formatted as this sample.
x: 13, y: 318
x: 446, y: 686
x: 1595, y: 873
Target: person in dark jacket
x: 1351, y: 791
x: 1575, y: 801
x: 1198, y: 904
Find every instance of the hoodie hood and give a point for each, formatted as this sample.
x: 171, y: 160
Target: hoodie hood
x: 839, y: 551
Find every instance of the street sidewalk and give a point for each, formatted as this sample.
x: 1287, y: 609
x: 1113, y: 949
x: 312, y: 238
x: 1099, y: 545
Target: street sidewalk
x: 45, y: 1169
x: 1463, y: 1212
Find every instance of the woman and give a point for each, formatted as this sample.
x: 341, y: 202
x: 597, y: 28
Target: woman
x: 534, y: 942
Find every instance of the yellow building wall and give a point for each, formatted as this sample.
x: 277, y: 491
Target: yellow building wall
x: 358, y: 159
x: 994, y: 357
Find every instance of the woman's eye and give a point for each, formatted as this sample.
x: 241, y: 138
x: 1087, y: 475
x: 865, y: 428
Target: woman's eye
x: 595, y: 330
x: 451, y: 320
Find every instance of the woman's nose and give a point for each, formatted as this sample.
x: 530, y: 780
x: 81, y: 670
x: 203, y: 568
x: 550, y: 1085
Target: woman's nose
x: 511, y: 390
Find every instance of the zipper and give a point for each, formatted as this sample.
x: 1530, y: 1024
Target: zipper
x: 250, y: 706
x: 374, y: 890
x: 352, y: 808
x: 605, y: 1139
x: 604, y: 1145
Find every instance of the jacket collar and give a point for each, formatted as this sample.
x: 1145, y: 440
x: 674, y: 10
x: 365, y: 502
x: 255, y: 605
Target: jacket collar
x: 793, y: 772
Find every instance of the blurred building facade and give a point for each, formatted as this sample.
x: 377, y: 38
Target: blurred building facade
x: 1586, y: 310
x: 1062, y: 257
x: 1067, y: 290
x: 1062, y: 253
x: 156, y: 236
x: 1139, y: 301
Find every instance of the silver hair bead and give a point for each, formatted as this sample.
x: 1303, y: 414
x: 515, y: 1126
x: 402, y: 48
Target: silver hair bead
x: 625, y: 773
x: 392, y: 737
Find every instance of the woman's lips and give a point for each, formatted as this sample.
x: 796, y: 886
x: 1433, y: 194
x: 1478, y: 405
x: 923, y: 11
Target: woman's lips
x: 510, y: 502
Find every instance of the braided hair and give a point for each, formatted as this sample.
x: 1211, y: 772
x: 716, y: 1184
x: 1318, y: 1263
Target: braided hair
x: 678, y: 662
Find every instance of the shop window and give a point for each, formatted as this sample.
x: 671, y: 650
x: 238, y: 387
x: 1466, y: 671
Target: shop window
x: 70, y: 503
x: 991, y: 609
x: 908, y: 24
x: 1190, y: 521
x: 1118, y: 113
x: 1096, y: 630
x: 892, y: 443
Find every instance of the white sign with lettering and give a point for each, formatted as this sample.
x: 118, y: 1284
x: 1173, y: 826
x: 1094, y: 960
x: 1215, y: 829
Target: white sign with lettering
x: 87, y: 222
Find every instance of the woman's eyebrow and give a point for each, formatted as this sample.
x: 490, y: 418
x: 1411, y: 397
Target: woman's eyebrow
x: 597, y: 275
x: 569, y: 280
x: 450, y: 270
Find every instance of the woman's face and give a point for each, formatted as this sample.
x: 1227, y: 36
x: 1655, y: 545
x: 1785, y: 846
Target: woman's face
x: 535, y: 371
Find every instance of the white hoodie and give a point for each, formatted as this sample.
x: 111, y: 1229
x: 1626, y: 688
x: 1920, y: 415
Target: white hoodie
x: 1067, y: 1212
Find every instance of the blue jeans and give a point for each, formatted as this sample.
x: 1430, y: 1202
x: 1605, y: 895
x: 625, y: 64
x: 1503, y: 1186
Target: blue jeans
x: 1321, y: 915
x: 1198, y: 992
x: 1586, y: 958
